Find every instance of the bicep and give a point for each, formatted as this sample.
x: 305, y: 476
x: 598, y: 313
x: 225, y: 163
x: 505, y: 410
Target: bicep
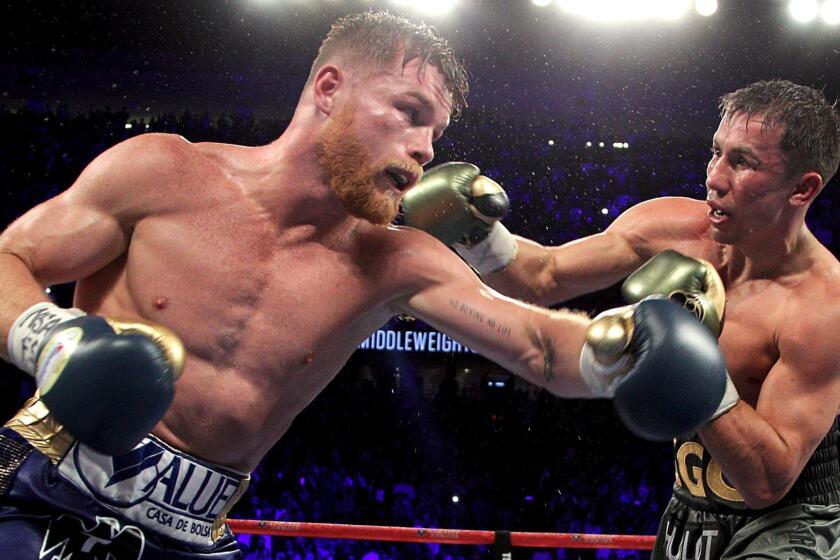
x: 801, y: 394
x: 89, y: 225
x: 63, y: 240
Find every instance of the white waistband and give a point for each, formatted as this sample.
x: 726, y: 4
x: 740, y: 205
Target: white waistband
x: 160, y: 488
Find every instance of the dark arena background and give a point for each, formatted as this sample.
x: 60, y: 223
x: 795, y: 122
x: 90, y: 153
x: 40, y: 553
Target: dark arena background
x: 579, y: 109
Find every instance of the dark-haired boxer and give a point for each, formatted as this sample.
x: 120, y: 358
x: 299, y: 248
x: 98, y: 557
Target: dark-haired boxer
x: 761, y: 480
x: 271, y: 265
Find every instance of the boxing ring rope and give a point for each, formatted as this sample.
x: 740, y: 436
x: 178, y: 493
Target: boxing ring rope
x: 441, y: 536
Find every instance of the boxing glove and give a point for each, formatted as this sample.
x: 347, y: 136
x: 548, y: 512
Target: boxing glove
x: 108, y: 382
x: 462, y: 208
x: 692, y: 282
x: 662, y: 368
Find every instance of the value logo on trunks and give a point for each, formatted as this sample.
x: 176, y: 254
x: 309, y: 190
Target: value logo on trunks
x: 163, y: 490
x: 68, y: 538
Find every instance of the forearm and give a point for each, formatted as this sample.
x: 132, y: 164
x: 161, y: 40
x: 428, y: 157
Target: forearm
x: 539, y: 345
x: 550, y: 275
x: 20, y: 290
x: 753, y: 456
x: 528, y: 277
x: 553, y: 359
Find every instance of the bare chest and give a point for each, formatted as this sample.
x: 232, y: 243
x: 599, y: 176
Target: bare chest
x: 243, y: 297
x: 748, y: 339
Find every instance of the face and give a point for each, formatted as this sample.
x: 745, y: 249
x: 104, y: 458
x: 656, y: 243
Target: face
x: 746, y: 183
x: 373, y: 147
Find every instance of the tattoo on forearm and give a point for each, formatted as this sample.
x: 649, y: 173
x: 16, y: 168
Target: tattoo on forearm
x: 548, y: 361
x: 503, y: 330
x: 490, y: 322
x: 546, y: 346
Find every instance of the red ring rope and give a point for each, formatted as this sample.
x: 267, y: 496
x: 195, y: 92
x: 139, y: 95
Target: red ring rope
x: 443, y: 536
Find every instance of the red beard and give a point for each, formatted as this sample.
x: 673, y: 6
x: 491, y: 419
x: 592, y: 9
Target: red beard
x: 351, y: 173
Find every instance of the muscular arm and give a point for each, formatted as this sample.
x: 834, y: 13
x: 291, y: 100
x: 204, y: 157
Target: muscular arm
x: 81, y: 230
x: 539, y: 345
x: 763, y: 450
x: 548, y: 275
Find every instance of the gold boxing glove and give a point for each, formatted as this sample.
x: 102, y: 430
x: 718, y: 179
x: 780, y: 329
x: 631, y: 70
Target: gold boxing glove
x: 692, y: 282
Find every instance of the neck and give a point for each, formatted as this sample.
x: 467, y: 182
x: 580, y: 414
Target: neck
x: 769, y: 257
x: 292, y: 189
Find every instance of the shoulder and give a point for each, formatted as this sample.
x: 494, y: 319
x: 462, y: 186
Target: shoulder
x: 657, y: 211
x: 148, y: 148
x: 141, y: 175
x: 142, y: 158
x: 413, y: 257
x: 660, y: 223
x: 406, y: 246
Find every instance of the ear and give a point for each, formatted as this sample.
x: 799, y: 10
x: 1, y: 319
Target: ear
x: 328, y: 81
x: 806, y: 189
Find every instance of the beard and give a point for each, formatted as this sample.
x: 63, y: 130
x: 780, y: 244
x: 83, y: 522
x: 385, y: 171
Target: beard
x: 351, y: 172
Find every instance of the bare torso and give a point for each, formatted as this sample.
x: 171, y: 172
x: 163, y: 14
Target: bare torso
x: 757, y: 309
x: 268, y: 309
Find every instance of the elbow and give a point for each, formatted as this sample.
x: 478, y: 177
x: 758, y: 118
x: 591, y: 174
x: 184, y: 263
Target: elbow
x: 765, y: 494
x: 15, y: 257
x: 540, y: 291
x: 761, y: 501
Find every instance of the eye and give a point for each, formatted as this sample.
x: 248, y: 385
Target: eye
x: 741, y: 161
x: 411, y: 112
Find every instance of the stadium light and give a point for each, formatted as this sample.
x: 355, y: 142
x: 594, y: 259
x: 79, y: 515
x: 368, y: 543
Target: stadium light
x: 670, y: 9
x: 803, y: 11
x: 830, y: 12
x: 428, y: 7
x: 610, y: 11
x: 706, y: 7
x: 541, y: 3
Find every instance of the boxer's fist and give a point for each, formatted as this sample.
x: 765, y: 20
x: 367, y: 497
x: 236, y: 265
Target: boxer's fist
x: 694, y: 283
x: 664, y: 370
x: 455, y: 203
x: 462, y: 208
x: 108, y: 382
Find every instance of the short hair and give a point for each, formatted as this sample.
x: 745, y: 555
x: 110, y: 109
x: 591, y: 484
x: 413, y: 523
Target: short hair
x: 378, y: 36
x: 811, y: 125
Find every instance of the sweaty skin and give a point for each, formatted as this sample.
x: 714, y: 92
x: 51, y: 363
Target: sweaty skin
x: 249, y: 257
x: 780, y: 337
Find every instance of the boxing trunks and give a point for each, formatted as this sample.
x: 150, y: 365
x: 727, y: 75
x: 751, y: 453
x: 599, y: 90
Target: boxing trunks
x: 706, y: 519
x: 61, y: 500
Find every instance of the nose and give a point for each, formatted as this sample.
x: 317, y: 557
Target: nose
x: 716, y: 177
x: 421, y: 149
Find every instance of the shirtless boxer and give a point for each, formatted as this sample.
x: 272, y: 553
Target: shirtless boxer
x: 271, y: 265
x: 763, y: 479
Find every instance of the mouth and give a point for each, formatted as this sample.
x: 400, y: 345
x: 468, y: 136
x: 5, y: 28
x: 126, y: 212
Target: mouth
x: 717, y: 214
x: 400, y: 179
